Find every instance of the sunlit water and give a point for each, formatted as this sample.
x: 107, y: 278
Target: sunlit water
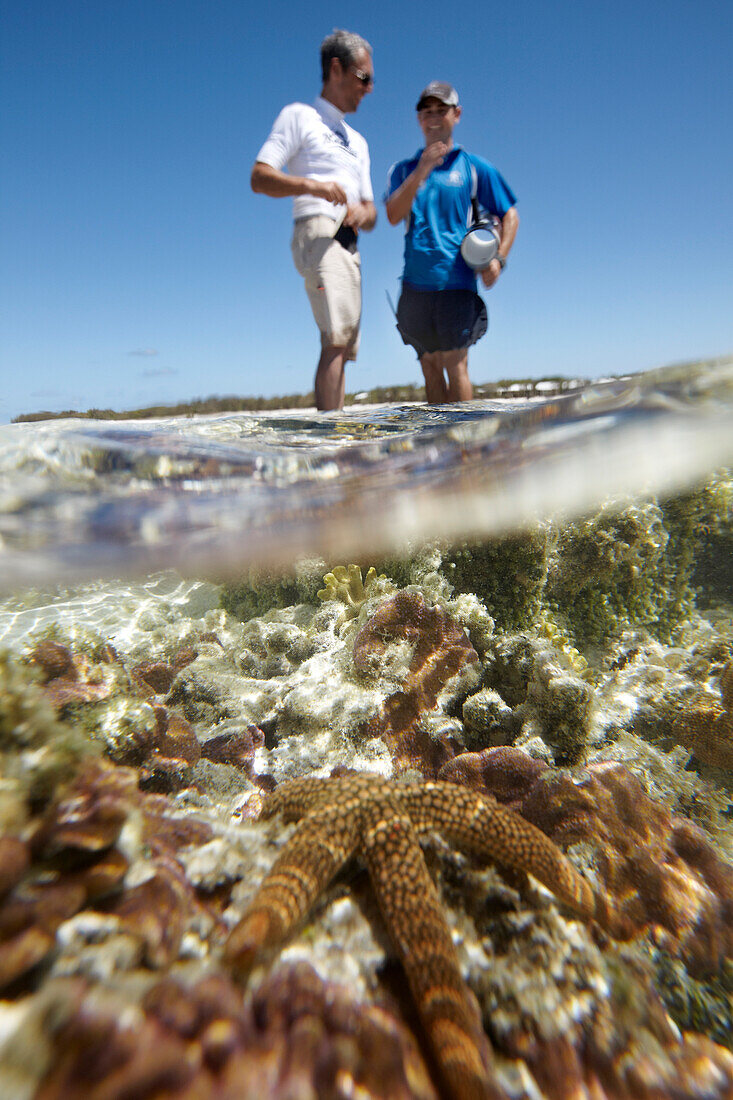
x: 210, y: 495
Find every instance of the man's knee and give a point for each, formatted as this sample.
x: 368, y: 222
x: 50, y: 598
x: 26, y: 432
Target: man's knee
x: 331, y: 353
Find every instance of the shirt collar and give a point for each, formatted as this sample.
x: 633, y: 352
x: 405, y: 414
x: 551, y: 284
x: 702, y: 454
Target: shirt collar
x: 330, y: 114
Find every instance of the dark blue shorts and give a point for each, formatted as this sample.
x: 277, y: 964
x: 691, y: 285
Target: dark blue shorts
x: 440, y: 320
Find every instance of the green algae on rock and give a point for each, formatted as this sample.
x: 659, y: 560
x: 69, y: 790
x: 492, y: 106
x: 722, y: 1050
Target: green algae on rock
x: 258, y: 591
x: 631, y: 564
x: 508, y: 574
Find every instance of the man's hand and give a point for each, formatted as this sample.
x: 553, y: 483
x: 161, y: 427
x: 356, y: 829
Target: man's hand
x: 509, y: 226
x: 432, y: 155
x: 357, y: 214
x: 328, y: 190
x: 361, y: 215
x: 400, y: 202
x: 491, y: 273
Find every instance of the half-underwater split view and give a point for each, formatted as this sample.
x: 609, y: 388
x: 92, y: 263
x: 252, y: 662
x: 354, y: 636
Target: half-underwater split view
x: 366, y: 551
x: 381, y: 753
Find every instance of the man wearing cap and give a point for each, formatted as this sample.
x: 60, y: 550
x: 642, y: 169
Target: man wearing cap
x: 439, y: 312
x: 314, y: 156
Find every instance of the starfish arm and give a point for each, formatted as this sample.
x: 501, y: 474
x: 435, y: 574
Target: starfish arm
x: 298, y: 797
x: 478, y: 825
x: 413, y: 915
x: 316, y: 851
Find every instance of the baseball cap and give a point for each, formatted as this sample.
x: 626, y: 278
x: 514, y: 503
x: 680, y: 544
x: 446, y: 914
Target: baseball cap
x: 438, y: 89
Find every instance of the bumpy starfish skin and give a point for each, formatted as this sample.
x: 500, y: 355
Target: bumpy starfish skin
x: 381, y: 821
x: 318, y: 848
x: 413, y: 914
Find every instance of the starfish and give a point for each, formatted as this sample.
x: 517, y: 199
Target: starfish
x: 381, y: 821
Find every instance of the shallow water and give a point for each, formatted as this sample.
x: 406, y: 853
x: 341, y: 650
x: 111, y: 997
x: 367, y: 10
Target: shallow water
x: 211, y: 495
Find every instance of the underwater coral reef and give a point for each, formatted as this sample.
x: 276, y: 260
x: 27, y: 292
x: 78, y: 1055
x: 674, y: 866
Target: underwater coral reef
x: 457, y: 825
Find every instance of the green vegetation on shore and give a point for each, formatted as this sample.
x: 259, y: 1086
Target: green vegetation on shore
x: 547, y: 386
x: 397, y: 395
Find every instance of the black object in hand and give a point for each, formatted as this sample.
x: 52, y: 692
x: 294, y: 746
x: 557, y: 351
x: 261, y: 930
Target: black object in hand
x: 346, y: 237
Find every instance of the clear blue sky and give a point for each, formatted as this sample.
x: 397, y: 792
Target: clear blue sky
x: 138, y: 267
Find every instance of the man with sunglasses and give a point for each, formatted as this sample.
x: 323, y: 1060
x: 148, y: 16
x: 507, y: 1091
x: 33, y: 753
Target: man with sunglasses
x: 439, y: 312
x: 315, y: 157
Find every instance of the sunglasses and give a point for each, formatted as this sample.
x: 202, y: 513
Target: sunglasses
x: 364, y: 78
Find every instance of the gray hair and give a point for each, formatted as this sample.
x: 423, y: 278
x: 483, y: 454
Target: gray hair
x: 343, y: 45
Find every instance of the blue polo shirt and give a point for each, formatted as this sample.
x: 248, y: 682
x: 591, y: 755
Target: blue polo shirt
x: 440, y: 215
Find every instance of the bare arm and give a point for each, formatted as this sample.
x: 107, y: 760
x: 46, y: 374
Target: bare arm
x: 267, y: 180
x: 399, y: 203
x: 509, y: 226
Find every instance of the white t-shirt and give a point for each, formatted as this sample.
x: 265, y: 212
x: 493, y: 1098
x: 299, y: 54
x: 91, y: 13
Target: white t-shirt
x: 315, y: 142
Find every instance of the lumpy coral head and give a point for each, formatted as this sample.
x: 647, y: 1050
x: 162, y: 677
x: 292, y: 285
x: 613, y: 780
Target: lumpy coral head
x: 441, y: 650
x: 661, y: 869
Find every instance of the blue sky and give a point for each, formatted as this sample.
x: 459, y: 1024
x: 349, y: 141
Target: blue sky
x: 137, y: 266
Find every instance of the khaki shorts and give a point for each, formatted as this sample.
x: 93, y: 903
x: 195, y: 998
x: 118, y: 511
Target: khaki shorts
x: 332, y: 280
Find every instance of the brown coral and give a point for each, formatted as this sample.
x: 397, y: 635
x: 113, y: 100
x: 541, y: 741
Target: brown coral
x: 158, y: 676
x: 295, y: 1036
x: 69, y: 678
x: 163, y: 750
x: 71, y: 863
x: 690, y: 1067
x: 705, y: 726
x: 441, y: 650
x: 88, y: 816
x: 236, y: 748
x: 14, y: 861
x: 28, y: 923
x: 505, y: 772
x: 660, y: 868
x: 164, y: 754
x: 156, y: 911
x: 53, y: 659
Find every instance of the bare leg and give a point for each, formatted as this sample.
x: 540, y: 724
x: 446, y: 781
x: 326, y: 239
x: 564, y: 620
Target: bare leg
x: 436, y: 365
x: 455, y: 364
x: 330, y: 383
x: 436, y: 390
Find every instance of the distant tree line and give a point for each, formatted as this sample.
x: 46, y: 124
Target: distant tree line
x: 395, y: 395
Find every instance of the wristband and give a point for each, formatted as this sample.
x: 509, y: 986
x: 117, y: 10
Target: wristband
x: 502, y: 260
